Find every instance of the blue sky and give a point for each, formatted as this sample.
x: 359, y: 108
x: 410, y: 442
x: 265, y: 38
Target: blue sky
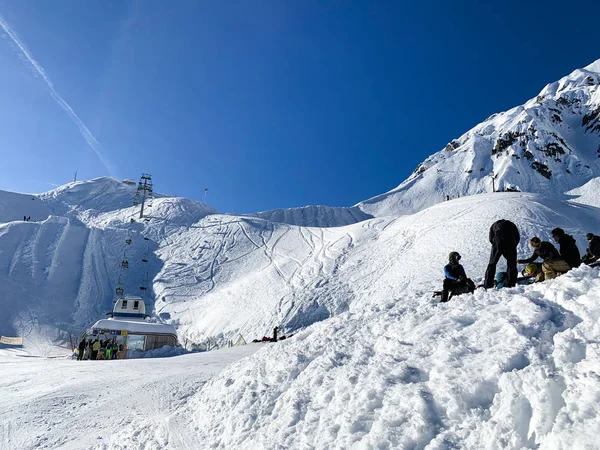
x: 269, y: 104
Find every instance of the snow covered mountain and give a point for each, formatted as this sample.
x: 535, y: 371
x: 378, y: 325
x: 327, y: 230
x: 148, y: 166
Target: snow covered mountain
x: 550, y: 145
x: 217, y: 276
x: 375, y: 362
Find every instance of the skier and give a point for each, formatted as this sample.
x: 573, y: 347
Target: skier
x: 88, y: 350
x: 95, y: 350
x: 592, y: 253
x: 552, y: 264
x: 456, y: 281
x: 568, y: 248
x: 114, y: 350
x: 504, y: 237
x: 81, y: 349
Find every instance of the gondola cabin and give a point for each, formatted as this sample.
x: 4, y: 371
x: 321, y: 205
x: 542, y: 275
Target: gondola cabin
x: 128, y: 307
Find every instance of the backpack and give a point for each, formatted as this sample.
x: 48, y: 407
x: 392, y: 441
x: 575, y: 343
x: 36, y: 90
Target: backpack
x: 500, y: 281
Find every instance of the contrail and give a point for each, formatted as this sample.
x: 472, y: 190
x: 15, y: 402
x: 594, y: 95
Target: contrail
x: 85, y: 132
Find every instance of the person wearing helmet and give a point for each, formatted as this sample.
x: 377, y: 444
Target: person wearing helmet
x: 552, y: 264
x: 568, y: 247
x: 531, y: 270
x: 456, y: 281
x: 592, y: 253
x: 504, y: 237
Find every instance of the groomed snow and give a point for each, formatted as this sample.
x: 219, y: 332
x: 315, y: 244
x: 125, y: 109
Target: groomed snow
x: 59, y: 404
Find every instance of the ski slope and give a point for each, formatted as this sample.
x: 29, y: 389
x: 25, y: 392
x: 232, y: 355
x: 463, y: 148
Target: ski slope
x: 71, y: 405
x: 232, y: 275
x: 219, y: 277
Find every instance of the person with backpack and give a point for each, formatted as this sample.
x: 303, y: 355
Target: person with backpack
x: 567, y: 247
x: 504, y: 237
x: 114, y: 350
x: 456, y: 281
x: 592, y: 253
x: 553, y: 263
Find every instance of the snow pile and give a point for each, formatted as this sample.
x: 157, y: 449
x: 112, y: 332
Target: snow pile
x: 549, y: 145
x: 516, y: 368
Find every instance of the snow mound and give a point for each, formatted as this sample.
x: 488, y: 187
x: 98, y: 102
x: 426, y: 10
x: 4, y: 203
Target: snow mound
x: 511, y: 369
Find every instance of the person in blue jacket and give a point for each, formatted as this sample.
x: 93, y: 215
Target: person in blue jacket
x: 456, y: 281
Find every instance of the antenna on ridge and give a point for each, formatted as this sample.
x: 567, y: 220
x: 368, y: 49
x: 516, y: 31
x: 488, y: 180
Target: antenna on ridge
x: 75, y: 177
x: 205, y: 194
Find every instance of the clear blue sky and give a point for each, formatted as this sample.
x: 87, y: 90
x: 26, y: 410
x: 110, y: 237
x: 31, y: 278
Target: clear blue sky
x: 269, y: 104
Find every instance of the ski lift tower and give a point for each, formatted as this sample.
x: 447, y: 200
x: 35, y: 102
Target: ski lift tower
x: 144, y: 191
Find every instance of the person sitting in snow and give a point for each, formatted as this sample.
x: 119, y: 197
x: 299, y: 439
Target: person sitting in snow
x: 456, y: 281
x: 592, y: 253
x: 553, y: 264
x: 568, y: 248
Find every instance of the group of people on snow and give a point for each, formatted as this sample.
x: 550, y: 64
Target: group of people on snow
x: 100, y: 349
x: 26, y: 218
x: 504, y: 237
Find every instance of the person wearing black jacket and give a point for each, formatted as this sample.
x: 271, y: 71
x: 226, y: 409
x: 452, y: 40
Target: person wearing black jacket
x: 504, y: 237
x: 568, y: 248
x: 552, y: 264
x: 592, y: 253
x: 81, y: 347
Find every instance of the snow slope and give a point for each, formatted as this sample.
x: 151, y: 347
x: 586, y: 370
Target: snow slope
x: 229, y: 275
x: 510, y: 369
x: 549, y: 145
x: 315, y: 216
x: 59, y: 274
x: 216, y: 277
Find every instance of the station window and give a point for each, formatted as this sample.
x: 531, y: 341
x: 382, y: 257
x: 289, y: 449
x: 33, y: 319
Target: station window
x: 124, y: 304
x: 136, y: 304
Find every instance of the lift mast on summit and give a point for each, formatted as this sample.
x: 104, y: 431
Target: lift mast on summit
x: 144, y: 192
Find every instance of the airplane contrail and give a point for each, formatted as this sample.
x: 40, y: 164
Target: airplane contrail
x: 83, y: 129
